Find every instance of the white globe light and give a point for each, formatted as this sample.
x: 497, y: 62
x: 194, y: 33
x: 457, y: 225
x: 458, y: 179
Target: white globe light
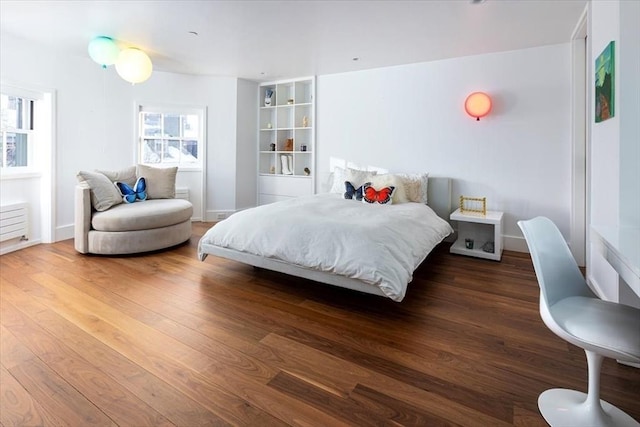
x: 103, y: 50
x: 134, y: 65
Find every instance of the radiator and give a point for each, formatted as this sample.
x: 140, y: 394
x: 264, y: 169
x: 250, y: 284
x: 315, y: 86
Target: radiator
x: 14, y: 221
x: 182, y: 193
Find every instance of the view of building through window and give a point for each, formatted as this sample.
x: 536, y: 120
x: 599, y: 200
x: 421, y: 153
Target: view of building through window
x: 16, y: 126
x: 171, y: 138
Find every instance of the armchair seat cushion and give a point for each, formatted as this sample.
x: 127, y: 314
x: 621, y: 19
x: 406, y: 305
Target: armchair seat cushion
x: 146, y: 215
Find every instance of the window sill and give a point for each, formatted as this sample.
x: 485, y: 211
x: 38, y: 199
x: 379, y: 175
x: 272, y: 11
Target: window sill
x: 181, y: 168
x: 189, y: 169
x: 5, y: 176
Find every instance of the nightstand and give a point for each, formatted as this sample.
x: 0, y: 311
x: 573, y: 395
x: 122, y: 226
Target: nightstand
x: 474, y: 231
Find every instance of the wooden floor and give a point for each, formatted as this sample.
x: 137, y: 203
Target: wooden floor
x: 164, y: 339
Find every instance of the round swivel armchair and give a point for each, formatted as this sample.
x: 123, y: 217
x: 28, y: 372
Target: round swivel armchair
x: 573, y: 312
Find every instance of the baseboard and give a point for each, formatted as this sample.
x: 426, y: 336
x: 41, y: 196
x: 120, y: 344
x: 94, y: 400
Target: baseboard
x: 515, y: 243
x: 10, y: 246
x: 213, y: 216
x: 64, y: 232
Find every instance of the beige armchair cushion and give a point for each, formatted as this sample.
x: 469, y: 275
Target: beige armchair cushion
x: 104, y: 193
x: 161, y: 182
x: 127, y: 175
x: 146, y: 215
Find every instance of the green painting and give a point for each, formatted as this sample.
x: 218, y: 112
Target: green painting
x: 605, y: 89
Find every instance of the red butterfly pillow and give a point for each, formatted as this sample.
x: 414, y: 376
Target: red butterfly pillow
x: 382, y: 196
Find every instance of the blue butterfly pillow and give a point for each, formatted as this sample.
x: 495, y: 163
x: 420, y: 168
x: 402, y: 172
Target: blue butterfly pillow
x: 353, y: 192
x: 130, y: 195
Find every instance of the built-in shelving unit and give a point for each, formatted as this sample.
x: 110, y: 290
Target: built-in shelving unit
x: 286, y: 139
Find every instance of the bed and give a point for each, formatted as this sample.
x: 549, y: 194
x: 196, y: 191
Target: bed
x: 370, y: 248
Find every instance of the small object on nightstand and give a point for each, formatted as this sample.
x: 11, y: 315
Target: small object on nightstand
x: 473, y: 205
x: 488, y: 247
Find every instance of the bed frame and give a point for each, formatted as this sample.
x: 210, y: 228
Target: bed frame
x: 439, y: 196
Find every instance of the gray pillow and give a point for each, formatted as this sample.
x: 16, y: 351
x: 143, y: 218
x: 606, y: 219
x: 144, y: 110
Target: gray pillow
x: 104, y: 193
x: 161, y: 182
x: 127, y: 175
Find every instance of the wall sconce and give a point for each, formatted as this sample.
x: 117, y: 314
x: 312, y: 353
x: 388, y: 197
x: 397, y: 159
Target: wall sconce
x: 134, y: 65
x: 477, y: 105
x: 103, y: 50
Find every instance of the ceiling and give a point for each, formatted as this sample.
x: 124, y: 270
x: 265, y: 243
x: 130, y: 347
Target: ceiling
x: 271, y: 40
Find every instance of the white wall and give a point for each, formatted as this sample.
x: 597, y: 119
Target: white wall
x: 604, y: 156
x: 95, y: 118
x: 247, y: 160
x: 614, y: 152
x: 630, y: 113
x: 411, y: 119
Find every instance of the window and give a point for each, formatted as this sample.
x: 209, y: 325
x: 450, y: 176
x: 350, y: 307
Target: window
x: 171, y: 136
x: 17, y: 139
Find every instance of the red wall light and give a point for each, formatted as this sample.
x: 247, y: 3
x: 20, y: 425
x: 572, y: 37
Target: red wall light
x: 477, y: 105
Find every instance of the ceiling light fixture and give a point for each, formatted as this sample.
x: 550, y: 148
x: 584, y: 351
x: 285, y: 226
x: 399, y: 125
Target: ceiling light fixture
x: 134, y: 65
x: 103, y: 50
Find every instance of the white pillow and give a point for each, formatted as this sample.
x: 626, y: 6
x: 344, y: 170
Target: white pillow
x: 354, y: 176
x: 337, y: 180
x: 415, y: 186
x: 358, y: 177
x: 380, y: 181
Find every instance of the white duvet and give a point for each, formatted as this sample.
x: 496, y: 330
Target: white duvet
x: 377, y: 244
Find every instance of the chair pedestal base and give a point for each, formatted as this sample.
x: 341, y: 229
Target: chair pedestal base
x: 561, y: 407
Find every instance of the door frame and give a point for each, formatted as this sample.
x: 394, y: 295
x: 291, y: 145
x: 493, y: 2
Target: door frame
x: 580, y: 100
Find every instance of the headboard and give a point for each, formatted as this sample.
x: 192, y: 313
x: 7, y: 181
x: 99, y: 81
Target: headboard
x: 439, y: 196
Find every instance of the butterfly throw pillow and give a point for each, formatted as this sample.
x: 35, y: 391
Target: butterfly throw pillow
x: 130, y: 195
x: 382, y: 196
x: 353, y: 192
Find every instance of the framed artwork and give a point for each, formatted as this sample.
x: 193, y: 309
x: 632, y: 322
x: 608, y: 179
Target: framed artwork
x: 605, y: 83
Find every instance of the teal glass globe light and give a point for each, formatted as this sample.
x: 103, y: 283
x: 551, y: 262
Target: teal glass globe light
x: 103, y: 50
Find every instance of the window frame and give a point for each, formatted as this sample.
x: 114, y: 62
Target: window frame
x: 30, y: 117
x: 165, y: 110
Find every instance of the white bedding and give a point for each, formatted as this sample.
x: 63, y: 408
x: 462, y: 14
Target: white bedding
x: 378, y: 244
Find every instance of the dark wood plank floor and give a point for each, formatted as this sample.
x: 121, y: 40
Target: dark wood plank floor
x: 164, y: 339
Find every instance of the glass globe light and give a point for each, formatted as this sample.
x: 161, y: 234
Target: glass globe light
x: 103, y: 50
x: 477, y: 105
x: 134, y: 65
